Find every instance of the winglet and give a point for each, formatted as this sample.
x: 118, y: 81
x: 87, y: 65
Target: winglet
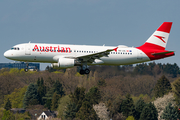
x: 115, y: 49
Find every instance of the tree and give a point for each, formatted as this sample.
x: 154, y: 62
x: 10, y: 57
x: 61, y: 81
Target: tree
x: 86, y: 112
x: 41, y: 90
x: 114, y: 106
x: 176, y: 85
x: 16, y: 97
x: 8, y: 105
x: 71, y: 110
x: 139, y: 105
x: 127, y: 106
x: 130, y: 118
x: 162, y: 87
x: 31, y: 96
x: 149, y: 112
x: 63, y: 102
x: 55, y: 99
x: 93, y: 96
x: 78, y: 96
x: 169, y: 113
x: 7, y: 115
x: 57, y: 87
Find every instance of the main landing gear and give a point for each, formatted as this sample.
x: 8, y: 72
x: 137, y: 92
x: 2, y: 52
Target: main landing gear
x: 84, y: 70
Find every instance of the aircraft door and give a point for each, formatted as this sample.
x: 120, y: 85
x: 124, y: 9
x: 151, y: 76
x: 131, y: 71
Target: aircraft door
x: 28, y: 49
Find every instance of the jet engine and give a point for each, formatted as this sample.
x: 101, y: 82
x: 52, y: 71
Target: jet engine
x: 64, y: 63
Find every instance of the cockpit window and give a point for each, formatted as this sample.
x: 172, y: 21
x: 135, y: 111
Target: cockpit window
x: 15, y: 48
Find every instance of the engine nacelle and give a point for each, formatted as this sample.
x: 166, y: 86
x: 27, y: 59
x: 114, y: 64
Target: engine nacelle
x: 64, y: 63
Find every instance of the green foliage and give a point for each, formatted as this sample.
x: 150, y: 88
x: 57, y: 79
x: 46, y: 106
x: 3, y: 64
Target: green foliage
x: 24, y: 116
x: 31, y: 96
x: 8, y: 105
x: 139, y: 105
x: 62, y: 106
x: 171, y: 69
x: 14, y: 71
x: 41, y: 90
x: 87, y: 112
x: 127, y: 106
x: 55, y: 99
x: 48, y: 104
x: 16, y: 97
x: 130, y: 118
x: 93, y: 96
x: 71, y: 111
x: 149, y: 112
x: 78, y: 96
x: 7, y: 115
x: 57, y: 87
x: 162, y: 87
x: 169, y: 113
x: 176, y: 91
x: 114, y: 106
x: 142, y: 69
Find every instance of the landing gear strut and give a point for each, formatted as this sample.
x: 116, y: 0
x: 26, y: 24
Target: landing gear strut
x: 84, y: 70
x: 26, y: 69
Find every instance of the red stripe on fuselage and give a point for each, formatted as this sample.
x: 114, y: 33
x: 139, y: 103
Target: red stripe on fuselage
x: 149, y: 49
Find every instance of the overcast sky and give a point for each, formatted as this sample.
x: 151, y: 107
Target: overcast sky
x: 87, y: 22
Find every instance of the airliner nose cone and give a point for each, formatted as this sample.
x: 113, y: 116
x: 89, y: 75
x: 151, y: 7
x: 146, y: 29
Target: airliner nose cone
x: 7, y: 54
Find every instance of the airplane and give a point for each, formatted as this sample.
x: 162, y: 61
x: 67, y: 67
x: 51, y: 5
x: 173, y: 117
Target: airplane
x: 67, y: 56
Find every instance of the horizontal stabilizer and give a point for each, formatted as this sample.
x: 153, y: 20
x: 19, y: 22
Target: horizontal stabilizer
x: 162, y: 53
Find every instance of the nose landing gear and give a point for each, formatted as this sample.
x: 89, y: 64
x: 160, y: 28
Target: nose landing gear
x: 26, y: 69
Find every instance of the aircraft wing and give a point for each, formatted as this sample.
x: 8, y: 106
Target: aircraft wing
x: 91, y: 57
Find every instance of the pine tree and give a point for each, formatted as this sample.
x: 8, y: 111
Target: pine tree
x: 149, y: 112
x: 71, y: 110
x: 162, y: 87
x: 139, y: 105
x: 57, y: 87
x: 78, y: 96
x: 8, y: 105
x: 55, y: 99
x: 31, y: 96
x: 127, y: 106
x: 86, y: 112
x: 93, y: 96
x: 176, y: 85
x: 38, y: 82
x: 41, y: 90
x: 169, y: 113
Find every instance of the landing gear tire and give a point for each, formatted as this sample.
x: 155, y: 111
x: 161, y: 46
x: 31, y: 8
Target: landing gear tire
x: 81, y: 72
x: 86, y: 71
x: 25, y: 69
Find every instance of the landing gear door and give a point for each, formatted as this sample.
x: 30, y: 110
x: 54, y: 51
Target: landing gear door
x: 28, y: 49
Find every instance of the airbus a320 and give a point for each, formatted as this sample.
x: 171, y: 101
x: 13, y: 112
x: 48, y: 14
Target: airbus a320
x: 67, y: 56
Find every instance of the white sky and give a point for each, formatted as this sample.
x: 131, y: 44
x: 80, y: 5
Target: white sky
x: 91, y: 22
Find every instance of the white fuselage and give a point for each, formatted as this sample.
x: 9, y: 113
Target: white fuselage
x: 50, y: 53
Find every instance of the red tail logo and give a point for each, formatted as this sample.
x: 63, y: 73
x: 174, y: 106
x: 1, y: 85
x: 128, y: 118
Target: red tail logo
x: 160, y: 37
